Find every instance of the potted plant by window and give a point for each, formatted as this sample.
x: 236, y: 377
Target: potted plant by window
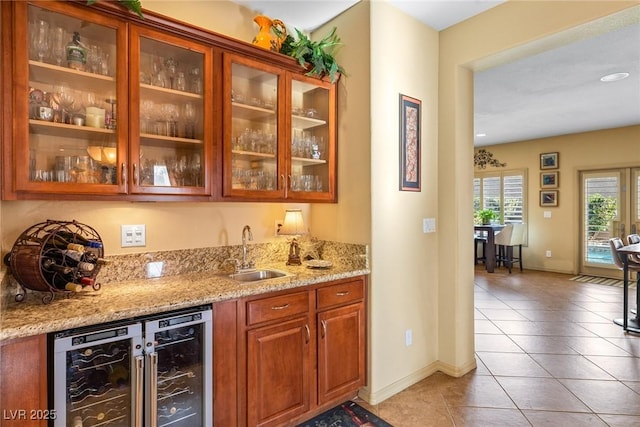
x: 485, y: 216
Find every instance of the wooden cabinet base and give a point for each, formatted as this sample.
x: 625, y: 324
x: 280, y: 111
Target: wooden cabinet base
x: 23, y: 384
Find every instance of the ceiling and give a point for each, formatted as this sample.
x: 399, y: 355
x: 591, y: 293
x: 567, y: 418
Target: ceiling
x: 555, y: 91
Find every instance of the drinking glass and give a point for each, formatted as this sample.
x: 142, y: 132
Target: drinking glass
x: 41, y: 39
x: 190, y: 118
x: 58, y: 48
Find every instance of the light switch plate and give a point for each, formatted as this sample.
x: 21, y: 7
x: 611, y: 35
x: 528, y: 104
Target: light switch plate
x: 428, y: 225
x: 133, y: 235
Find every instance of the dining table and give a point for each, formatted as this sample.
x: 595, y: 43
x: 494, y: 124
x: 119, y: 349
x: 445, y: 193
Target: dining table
x: 628, y: 323
x: 490, y: 247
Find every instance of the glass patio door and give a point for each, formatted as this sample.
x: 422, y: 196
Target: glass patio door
x: 610, y: 207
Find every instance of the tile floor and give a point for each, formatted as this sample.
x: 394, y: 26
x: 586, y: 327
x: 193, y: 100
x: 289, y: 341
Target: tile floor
x: 548, y: 354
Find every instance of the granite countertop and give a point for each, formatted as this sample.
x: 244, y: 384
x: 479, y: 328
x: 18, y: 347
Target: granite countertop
x: 131, y: 298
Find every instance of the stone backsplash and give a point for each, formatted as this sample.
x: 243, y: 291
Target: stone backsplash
x: 211, y: 260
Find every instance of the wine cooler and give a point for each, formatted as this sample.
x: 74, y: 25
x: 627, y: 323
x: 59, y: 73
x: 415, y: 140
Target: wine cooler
x: 151, y: 372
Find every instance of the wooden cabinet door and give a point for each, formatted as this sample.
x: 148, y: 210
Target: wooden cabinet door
x: 278, y: 372
x: 341, y: 351
x: 23, y: 382
x: 66, y: 137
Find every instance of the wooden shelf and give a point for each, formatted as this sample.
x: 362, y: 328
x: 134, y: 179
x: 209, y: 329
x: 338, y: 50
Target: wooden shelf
x: 164, y: 95
x: 251, y: 155
x: 250, y: 112
x: 67, y: 131
x: 301, y: 122
x: 307, y: 162
x: 41, y: 72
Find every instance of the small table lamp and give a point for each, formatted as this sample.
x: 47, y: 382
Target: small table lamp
x: 293, y: 225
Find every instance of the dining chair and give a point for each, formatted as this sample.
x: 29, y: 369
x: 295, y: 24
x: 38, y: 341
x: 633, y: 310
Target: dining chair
x: 634, y: 265
x: 479, y: 240
x: 633, y: 239
x: 510, y: 236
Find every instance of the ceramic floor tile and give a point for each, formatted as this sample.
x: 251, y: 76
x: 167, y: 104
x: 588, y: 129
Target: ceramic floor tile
x: 564, y: 419
x: 595, y: 346
x: 496, y: 343
x: 501, y: 314
x: 488, y: 417
x: 621, y: 420
x: 491, y: 303
x: 485, y: 327
x: 570, y: 366
x: 543, y: 315
x: 512, y: 364
x: 607, y: 397
x: 607, y: 330
x: 563, y: 329
x: 630, y: 344
x: 622, y: 368
x: 407, y: 414
x: 544, y: 394
x: 480, y: 391
x: 543, y: 344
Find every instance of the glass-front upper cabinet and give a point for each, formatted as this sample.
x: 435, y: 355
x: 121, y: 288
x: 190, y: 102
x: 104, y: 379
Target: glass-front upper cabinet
x: 171, y: 94
x: 312, y: 140
x: 253, y: 165
x: 69, y: 126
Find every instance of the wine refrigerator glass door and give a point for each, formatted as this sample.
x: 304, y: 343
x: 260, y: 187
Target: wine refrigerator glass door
x: 98, y: 377
x: 179, y: 379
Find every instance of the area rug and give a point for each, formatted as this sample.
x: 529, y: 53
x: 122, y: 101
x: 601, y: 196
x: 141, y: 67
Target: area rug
x: 603, y: 281
x: 347, y: 414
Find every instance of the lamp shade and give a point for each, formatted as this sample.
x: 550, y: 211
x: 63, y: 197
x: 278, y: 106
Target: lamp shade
x: 293, y: 223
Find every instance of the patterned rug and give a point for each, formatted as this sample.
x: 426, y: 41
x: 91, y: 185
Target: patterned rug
x: 348, y: 414
x: 604, y: 281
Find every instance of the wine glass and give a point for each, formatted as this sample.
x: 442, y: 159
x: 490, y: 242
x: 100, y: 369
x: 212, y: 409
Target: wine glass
x: 58, y: 48
x: 41, y: 38
x: 171, y: 65
x: 63, y: 96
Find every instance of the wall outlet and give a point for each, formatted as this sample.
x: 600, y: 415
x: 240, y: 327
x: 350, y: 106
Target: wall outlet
x: 548, y: 254
x: 428, y: 225
x: 408, y: 337
x: 133, y: 235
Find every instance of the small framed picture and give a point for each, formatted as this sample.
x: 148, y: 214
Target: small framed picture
x: 549, y: 160
x: 549, y: 198
x: 549, y: 179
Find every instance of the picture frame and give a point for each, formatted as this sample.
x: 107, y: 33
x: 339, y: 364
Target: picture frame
x: 549, y: 198
x: 549, y: 179
x: 549, y: 160
x: 410, y: 129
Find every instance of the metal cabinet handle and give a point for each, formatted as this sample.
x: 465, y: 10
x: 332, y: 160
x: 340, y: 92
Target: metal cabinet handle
x: 153, y: 393
x: 342, y: 294
x: 279, y: 307
x: 290, y: 182
x: 324, y: 328
x: 135, y: 174
x: 306, y: 327
x: 139, y: 387
x: 284, y: 181
x: 123, y: 172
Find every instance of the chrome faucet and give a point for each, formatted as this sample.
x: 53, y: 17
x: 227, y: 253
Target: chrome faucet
x: 246, y: 265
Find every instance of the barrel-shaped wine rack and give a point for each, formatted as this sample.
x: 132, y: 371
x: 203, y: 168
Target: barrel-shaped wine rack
x: 51, y: 254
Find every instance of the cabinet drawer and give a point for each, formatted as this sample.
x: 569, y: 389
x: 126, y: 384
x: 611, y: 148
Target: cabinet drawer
x: 339, y: 294
x: 277, y: 307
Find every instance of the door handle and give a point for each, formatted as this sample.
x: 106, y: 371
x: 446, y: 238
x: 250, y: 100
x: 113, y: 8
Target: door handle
x: 153, y: 392
x: 139, y: 387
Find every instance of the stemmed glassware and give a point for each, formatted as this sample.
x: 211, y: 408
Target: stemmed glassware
x: 63, y: 96
x: 171, y: 65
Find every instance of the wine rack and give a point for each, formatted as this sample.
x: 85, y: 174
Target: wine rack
x: 56, y: 257
x: 98, y: 385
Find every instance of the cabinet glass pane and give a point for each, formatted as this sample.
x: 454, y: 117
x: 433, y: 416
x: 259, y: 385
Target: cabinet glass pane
x: 72, y: 99
x: 254, y: 129
x: 309, y: 137
x: 171, y: 115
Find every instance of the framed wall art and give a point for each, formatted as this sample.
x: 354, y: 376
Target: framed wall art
x: 549, y: 179
x: 549, y: 160
x: 549, y: 198
x: 410, y: 113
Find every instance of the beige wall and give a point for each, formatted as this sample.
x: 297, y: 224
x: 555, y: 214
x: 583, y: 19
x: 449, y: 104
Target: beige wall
x: 584, y: 151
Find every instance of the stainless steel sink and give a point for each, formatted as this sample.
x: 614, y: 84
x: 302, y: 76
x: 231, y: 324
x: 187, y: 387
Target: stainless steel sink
x: 256, y: 275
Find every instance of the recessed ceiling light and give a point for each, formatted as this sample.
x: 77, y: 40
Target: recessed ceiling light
x: 614, y: 77
x: 480, y: 135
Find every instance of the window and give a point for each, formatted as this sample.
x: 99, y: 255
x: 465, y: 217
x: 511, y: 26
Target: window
x: 502, y: 192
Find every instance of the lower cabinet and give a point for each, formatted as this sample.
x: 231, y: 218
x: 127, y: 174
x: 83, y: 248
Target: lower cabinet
x: 23, y: 383
x: 305, y: 351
